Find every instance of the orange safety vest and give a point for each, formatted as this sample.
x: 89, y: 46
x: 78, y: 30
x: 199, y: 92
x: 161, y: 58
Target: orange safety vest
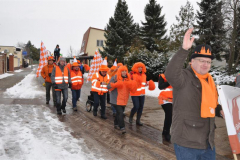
x: 166, y: 94
x: 60, y: 76
x: 96, y: 83
x: 76, y: 78
x: 141, y: 89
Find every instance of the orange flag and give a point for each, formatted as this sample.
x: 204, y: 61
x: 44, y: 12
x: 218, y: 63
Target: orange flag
x: 43, y: 59
x: 95, y: 65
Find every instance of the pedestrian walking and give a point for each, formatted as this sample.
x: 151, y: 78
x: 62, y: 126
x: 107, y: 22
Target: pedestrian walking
x: 194, y: 102
x: 165, y: 100
x: 138, y: 98
x: 99, y: 88
x: 46, y: 74
x: 76, y: 85
x: 61, y: 79
x: 120, y: 86
x: 112, y: 72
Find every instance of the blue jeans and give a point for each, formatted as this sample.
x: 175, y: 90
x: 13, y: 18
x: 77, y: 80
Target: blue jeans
x: 75, y: 96
x: 138, y: 103
x: 58, y: 98
x: 185, y: 153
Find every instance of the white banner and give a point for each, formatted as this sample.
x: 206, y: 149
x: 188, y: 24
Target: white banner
x: 230, y: 101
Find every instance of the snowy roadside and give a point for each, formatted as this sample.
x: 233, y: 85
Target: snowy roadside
x: 26, y: 89
x: 5, y: 75
x: 19, y: 70
x: 32, y: 132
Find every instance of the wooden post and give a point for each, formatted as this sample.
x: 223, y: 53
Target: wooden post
x: 235, y: 157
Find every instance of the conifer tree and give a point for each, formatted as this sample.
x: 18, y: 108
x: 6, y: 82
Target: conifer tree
x: 153, y: 31
x: 210, y: 26
x: 119, y: 33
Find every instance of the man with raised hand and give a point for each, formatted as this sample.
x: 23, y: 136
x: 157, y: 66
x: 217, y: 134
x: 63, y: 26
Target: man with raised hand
x: 194, y: 102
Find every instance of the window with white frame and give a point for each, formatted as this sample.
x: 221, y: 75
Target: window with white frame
x: 100, y: 43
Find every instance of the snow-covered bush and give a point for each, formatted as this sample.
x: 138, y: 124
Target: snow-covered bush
x: 221, y: 77
x: 155, y: 62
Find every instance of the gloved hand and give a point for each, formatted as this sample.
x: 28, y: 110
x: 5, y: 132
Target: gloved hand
x: 151, y: 85
x: 55, y: 86
x: 49, y: 74
x: 69, y: 85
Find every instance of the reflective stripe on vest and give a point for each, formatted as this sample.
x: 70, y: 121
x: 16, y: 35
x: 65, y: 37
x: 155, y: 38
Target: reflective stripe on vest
x: 102, y: 88
x: 60, y: 76
x: 76, y: 78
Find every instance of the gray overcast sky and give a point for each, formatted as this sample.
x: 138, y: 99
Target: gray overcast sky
x: 64, y: 22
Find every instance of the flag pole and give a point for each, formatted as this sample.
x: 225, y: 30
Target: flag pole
x: 235, y: 157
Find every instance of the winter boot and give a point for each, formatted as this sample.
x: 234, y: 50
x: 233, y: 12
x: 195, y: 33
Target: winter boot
x: 123, y: 130
x: 103, y: 117
x: 138, y: 122
x: 47, y: 102
x: 75, y: 108
x: 116, y: 127
x: 95, y: 113
x: 166, y: 135
x: 59, y: 112
x: 64, y: 110
x: 131, y: 118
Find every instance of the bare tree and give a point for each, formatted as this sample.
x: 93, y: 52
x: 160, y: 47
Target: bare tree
x: 231, y: 19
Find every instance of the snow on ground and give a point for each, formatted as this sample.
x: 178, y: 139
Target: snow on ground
x: 26, y: 89
x: 5, y: 75
x: 19, y: 70
x: 29, y: 66
x: 30, y: 132
x: 154, y: 93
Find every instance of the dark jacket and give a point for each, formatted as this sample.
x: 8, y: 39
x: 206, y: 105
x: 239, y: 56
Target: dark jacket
x: 63, y: 85
x: 188, y: 128
x: 57, y: 52
x: 161, y: 84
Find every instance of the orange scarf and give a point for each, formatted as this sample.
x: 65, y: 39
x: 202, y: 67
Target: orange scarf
x: 209, y: 95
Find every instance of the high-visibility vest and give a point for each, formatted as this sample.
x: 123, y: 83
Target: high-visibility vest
x: 166, y: 94
x: 96, y: 83
x: 141, y: 89
x: 60, y: 76
x: 77, y: 80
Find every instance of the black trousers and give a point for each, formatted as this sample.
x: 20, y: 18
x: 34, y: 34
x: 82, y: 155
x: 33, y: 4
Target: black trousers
x: 119, y: 119
x: 102, y: 99
x: 168, y: 117
x: 108, y: 97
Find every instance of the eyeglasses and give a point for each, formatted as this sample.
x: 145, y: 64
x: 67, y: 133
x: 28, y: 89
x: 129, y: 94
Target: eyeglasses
x: 203, y: 61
